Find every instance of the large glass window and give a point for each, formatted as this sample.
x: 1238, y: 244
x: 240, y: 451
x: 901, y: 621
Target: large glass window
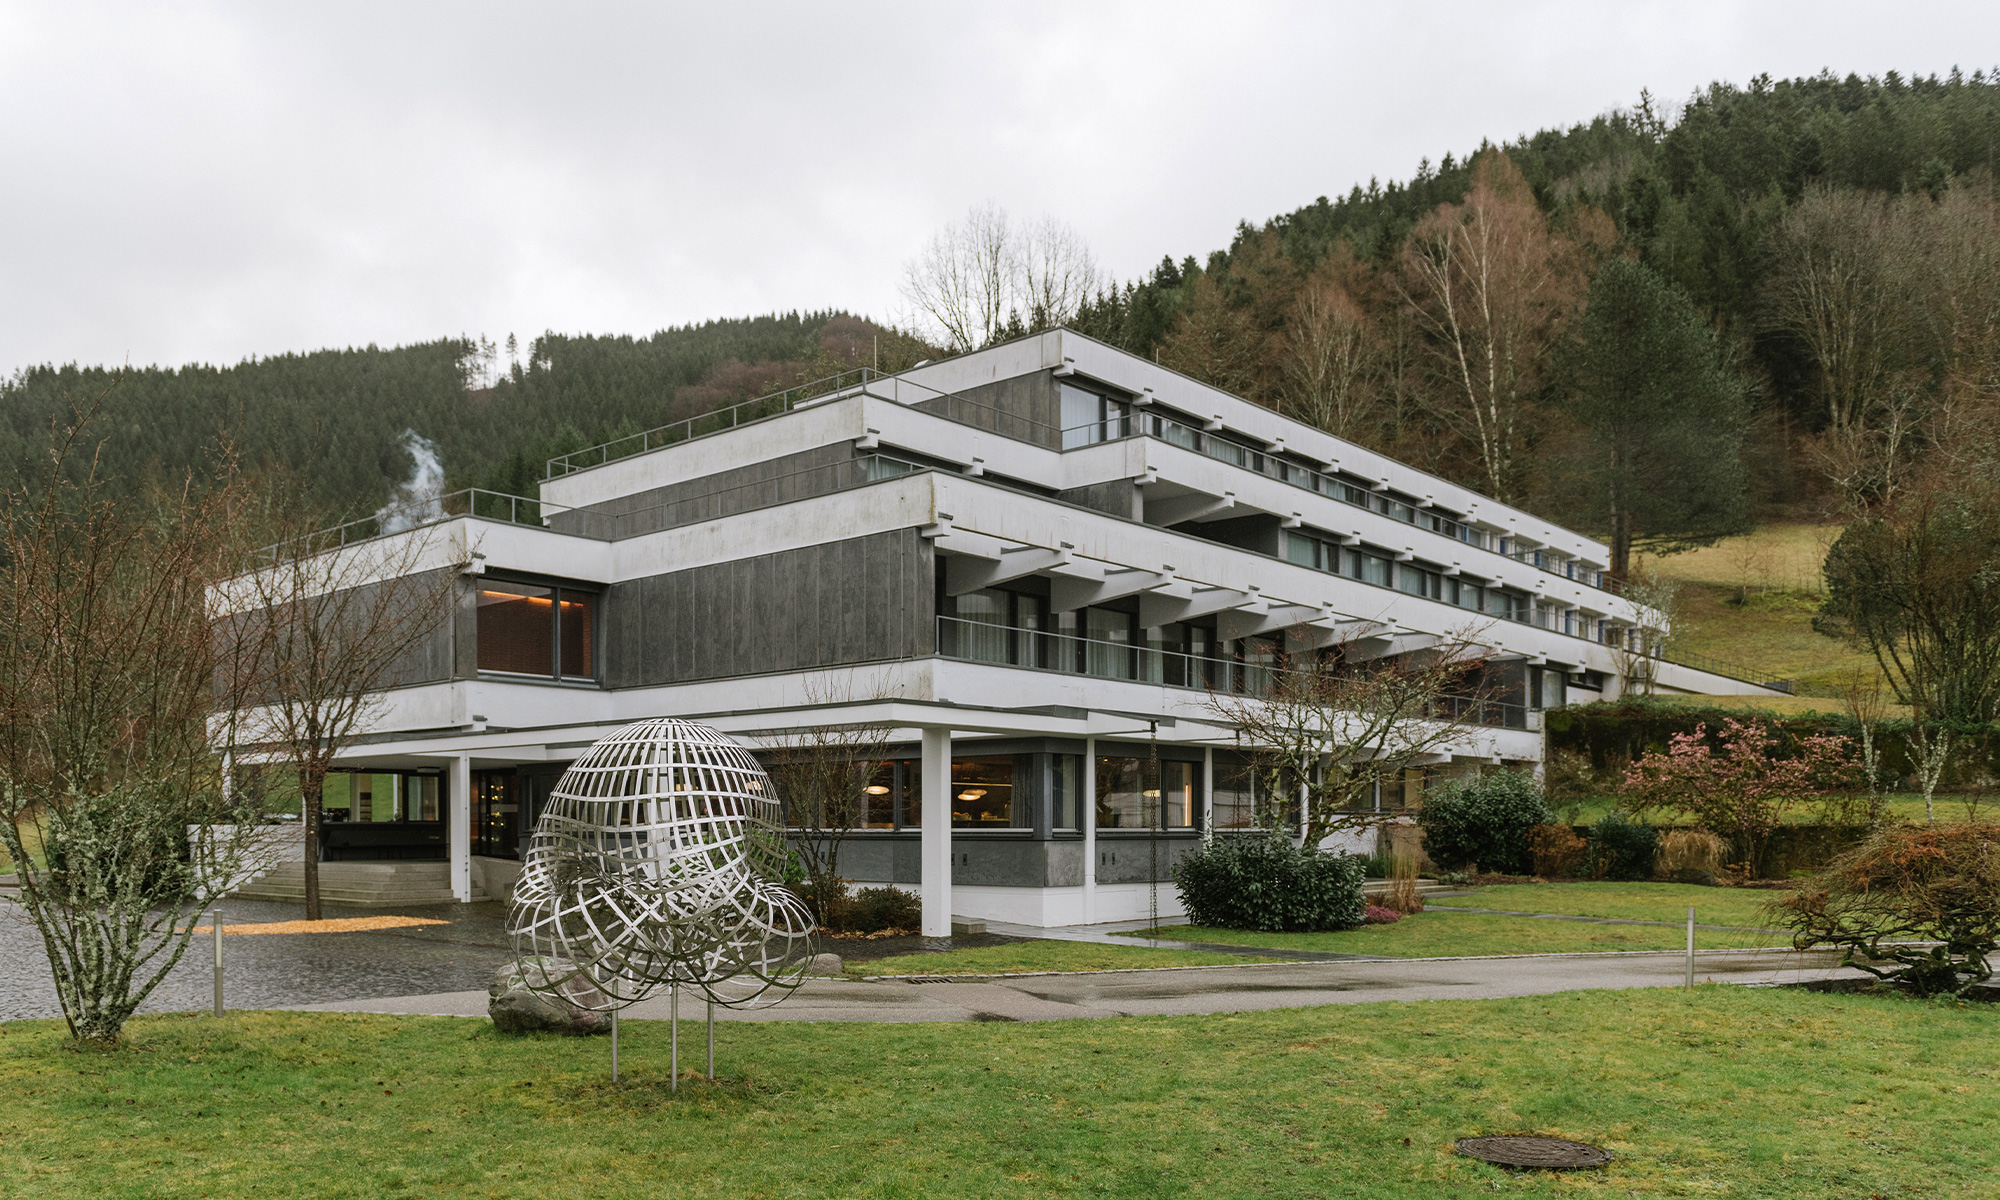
x: 1235, y: 799
x: 369, y: 797
x: 530, y: 629
x: 1066, y: 782
x: 1128, y: 797
x: 983, y: 793
x: 878, y: 798
x: 496, y: 816
x: 1088, y: 418
x: 1108, y: 654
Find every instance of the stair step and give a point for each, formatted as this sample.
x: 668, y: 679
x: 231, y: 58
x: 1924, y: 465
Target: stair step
x: 364, y: 884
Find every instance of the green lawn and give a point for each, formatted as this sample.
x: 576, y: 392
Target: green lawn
x: 1627, y: 901
x: 1452, y: 935
x: 1027, y: 957
x: 1719, y: 1092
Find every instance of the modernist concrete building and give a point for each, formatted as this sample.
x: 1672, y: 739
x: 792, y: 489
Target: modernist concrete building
x: 1037, y: 563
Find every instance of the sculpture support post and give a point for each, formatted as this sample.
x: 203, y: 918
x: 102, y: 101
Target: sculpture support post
x: 937, y: 832
x: 614, y: 1045
x: 674, y: 1032
x: 711, y: 1041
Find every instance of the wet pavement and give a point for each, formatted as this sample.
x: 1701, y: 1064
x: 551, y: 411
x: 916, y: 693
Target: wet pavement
x: 287, y: 970
x: 1198, y: 990
x: 274, y: 970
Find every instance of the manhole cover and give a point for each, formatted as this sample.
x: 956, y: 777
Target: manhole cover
x: 1547, y: 1154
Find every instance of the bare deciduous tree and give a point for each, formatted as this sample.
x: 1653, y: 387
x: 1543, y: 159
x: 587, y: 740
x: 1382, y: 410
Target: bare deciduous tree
x: 113, y: 809
x: 1329, y: 355
x: 318, y: 630
x: 1639, y: 653
x: 1493, y: 285
x: 975, y: 279
x: 1329, y: 724
x: 822, y: 774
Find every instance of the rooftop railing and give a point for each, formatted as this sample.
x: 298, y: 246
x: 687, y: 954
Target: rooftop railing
x: 400, y: 518
x: 861, y: 381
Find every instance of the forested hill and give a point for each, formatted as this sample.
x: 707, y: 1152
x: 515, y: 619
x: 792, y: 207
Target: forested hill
x: 1778, y: 209
x: 1743, y: 203
x: 336, y: 416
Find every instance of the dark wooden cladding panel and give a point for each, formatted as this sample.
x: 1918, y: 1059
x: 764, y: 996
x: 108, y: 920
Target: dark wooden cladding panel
x: 860, y: 600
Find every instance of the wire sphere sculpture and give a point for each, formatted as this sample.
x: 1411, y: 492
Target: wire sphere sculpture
x: 657, y: 863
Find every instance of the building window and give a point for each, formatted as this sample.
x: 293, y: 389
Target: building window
x: 380, y: 797
x: 983, y: 795
x: 1088, y: 418
x: 532, y: 629
x: 1066, y: 791
x: 1419, y: 582
x: 496, y: 814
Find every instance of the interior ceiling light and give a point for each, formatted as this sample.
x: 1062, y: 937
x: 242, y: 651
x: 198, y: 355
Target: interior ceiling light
x: 876, y: 789
x: 972, y: 793
x: 1151, y: 793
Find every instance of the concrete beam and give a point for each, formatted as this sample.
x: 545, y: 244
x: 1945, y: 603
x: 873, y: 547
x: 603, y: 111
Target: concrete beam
x: 1070, y: 594
x: 1179, y: 509
x: 1201, y: 602
x: 968, y: 573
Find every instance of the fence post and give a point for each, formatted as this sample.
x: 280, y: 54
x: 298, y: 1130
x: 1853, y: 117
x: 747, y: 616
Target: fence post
x: 215, y: 928
x: 1689, y: 982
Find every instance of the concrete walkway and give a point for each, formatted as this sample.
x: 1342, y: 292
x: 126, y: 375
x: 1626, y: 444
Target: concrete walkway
x: 1192, y: 990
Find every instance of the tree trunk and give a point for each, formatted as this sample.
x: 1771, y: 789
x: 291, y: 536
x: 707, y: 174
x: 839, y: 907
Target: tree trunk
x: 314, y: 792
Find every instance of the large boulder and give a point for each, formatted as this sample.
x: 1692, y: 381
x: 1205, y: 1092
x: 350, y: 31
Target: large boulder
x: 518, y: 1008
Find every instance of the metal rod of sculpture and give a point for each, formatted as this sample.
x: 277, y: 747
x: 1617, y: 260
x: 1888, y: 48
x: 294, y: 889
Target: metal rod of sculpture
x: 656, y: 863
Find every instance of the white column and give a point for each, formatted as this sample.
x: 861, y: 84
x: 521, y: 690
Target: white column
x: 1207, y: 792
x: 459, y: 828
x: 1089, y: 830
x: 936, y: 855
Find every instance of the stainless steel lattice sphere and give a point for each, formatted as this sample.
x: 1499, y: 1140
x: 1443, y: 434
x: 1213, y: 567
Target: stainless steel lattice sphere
x: 658, y: 861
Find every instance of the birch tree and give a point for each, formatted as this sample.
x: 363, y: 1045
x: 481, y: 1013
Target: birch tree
x: 1493, y: 285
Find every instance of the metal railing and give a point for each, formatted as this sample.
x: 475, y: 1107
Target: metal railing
x: 860, y: 381
x: 737, y: 498
x: 1201, y: 441
x: 400, y: 518
x: 1005, y: 645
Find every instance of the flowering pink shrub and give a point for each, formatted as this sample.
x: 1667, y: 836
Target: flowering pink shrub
x: 1377, y: 915
x: 1744, y: 789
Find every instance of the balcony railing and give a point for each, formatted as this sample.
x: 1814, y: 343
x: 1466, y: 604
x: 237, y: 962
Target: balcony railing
x: 861, y: 381
x: 1004, y: 645
x: 1201, y: 441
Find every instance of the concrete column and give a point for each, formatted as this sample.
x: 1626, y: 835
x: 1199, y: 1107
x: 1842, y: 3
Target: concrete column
x: 937, y: 832
x: 1089, y: 830
x: 1207, y: 792
x: 459, y: 828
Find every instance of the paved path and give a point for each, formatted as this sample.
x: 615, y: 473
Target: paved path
x: 1190, y: 990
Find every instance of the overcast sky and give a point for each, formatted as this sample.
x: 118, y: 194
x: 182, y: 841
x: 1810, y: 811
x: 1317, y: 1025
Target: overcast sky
x: 204, y: 182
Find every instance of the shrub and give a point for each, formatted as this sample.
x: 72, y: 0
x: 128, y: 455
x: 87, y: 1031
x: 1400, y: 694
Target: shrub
x: 1267, y: 883
x: 1558, y: 852
x: 1691, y: 856
x: 1402, y: 895
x: 1622, y: 848
x: 1485, y: 821
x: 1745, y: 788
x: 1917, y: 906
x: 1375, y: 914
x: 874, y: 909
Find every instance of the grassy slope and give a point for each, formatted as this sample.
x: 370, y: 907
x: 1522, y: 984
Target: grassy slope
x: 1456, y: 935
x: 1723, y: 1091
x: 1751, y: 601
x: 1023, y: 957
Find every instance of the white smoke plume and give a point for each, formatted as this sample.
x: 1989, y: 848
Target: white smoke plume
x: 418, y: 500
